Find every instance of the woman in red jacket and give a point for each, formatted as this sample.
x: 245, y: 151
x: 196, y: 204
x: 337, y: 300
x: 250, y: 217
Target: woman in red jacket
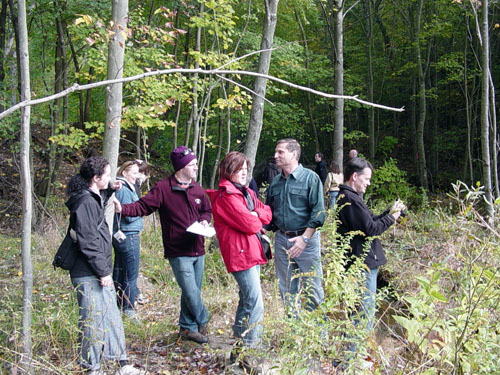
x: 238, y: 218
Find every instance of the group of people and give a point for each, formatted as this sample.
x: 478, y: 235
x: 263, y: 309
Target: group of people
x: 294, y: 209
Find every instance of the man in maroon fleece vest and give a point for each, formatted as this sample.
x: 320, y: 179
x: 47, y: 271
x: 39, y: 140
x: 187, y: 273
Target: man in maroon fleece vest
x: 181, y: 201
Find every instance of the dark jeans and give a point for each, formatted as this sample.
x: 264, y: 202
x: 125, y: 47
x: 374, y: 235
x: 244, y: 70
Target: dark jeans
x: 126, y: 270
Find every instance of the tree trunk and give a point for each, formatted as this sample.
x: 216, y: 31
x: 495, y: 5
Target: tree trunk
x: 422, y: 102
x: 257, y: 113
x: 3, y: 38
x: 60, y: 70
x: 194, y: 110
x: 494, y: 137
x: 14, y: 20
x: 219, y: 150
x: 116, y: 52
x: 88, y: 98
x: 338, y: 109
x: 27, y: 189
x: 308, y: 94
x: 485, y: 100
x: 368, y: 8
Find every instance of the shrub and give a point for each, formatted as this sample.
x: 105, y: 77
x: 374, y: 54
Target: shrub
x: 389, y: 183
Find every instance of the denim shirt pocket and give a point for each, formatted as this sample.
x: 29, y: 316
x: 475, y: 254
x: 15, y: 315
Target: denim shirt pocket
x: 298, y: 197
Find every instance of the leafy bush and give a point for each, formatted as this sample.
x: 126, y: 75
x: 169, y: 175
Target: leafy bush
x: 389, y: 183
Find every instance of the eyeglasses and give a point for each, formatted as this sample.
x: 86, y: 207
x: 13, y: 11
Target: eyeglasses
x: 187, y: 151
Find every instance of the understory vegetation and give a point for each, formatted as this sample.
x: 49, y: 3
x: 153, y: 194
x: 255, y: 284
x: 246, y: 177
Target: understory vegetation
x: 438, y: 306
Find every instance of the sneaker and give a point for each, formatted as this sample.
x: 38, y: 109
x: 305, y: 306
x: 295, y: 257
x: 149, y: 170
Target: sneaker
x: 193, y: 336
x: 141, y: 299
x: 129, y: 370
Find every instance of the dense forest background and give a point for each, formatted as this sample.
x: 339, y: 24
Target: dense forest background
x: 422, y: 55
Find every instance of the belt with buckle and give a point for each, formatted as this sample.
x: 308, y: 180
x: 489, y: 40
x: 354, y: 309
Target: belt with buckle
x: 293, y: 233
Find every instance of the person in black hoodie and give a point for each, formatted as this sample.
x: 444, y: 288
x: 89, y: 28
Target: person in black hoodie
x: 355, y: 216
x: 100, y: 324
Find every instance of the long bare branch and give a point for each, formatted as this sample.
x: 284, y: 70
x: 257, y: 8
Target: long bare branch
x: 77, y: 87
x: 245, y: 88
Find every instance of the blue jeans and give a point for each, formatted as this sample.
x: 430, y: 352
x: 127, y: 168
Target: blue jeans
x: 332, y: 198
x: 250, y: 307
x: 367, y: 308
x: 101, y: 334
x: 126, y: 269
x: 290, y: 273
x: 365, y: 317
x: 188, y: 272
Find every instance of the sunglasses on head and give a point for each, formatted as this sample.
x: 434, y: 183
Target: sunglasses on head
x: 187, y: 151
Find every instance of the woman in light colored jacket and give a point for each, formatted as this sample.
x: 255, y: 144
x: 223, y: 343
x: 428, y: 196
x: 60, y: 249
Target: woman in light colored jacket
x: 331, y: 188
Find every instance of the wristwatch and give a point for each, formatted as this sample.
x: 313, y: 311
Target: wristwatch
x: 306, y: 240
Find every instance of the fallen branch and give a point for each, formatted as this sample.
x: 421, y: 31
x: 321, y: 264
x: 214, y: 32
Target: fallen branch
x: 76, y: 87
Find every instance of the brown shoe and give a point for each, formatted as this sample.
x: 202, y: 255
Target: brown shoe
x: 193, y: 336
x: 203, y: 329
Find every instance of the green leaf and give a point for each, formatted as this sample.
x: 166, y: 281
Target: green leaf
x: 437, y: 295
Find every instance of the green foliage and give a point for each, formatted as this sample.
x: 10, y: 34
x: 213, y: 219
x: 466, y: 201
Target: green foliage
x: 451, y: 317
x: 386, y: 146
x: 75, y: 138
x: 389, y: 183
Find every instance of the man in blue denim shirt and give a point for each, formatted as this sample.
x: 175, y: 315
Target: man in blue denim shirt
x: 296, y: 199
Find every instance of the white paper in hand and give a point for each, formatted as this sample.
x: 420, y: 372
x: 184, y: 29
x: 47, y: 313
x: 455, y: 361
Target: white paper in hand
x: 198, y: 228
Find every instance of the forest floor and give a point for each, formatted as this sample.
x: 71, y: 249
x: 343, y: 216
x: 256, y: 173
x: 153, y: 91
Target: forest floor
x: 154, y: 343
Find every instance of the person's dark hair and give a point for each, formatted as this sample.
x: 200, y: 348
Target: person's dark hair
x: 232, y: 164
x: 355, y: 165
x: 93, y: 166
x: 291, y: 145
x: 334, y: 167
x: 143, y: 167
x: 320, y: 154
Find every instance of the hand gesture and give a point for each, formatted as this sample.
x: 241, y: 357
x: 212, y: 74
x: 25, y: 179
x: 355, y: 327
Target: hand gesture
x: 118, y: 206
x: 115, y: 185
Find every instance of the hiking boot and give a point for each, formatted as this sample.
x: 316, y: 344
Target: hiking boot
x: 129, y: 370
x: 203, y: 329
x: 193, y: 336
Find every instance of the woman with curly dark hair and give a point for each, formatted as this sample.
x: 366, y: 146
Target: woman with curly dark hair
x: 101, y: 328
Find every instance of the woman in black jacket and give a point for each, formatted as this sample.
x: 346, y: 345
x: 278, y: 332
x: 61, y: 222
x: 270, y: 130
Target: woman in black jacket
x: 100, y: 323
x: 355, y: 216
